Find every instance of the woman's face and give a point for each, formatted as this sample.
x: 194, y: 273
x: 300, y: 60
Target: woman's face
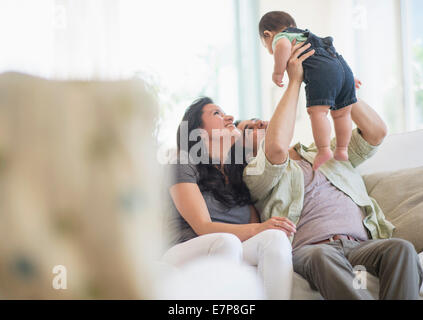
x: 214, y: 118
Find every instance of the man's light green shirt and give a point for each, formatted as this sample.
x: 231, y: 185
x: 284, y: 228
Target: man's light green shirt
x: 279, y: 189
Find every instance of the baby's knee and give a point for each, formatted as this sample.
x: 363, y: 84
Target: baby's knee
x: 340, y: 113
x: 318, y: 111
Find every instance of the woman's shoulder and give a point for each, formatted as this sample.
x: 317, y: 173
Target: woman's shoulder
x: 182, y: 171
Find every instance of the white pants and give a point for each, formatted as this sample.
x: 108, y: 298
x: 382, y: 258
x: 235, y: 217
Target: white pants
x: 269, y: 250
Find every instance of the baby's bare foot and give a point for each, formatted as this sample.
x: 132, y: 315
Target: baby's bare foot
x: 323, y: 155
x: 341, y: 154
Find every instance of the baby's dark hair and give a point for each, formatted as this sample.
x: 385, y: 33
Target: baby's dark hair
x: 275, y: 21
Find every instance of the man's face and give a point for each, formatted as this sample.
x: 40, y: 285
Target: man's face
x: 254, y: 132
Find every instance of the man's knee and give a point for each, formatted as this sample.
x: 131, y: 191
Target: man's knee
x: 397, y: 245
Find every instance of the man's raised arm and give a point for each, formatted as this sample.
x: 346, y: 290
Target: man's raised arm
x: 281, y: 126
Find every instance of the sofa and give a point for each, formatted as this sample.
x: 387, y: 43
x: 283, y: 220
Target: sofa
x: 393, y: 176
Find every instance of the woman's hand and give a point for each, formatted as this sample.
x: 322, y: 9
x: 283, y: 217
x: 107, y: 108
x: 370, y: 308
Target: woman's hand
x: 295, y: 64
x: 279, y: 223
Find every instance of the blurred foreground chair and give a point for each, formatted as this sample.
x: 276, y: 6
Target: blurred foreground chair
x: 79, y: 202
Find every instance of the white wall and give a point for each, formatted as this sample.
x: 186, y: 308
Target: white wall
x: 360, y: 28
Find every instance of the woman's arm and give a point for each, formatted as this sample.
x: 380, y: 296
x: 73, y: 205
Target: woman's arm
x: 254, y: 217
x: 372, y: 127
x: 281, y: 126
x: 191, y: 205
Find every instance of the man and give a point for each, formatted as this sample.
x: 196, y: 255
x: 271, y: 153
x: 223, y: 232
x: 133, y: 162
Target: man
x: 338, y: 226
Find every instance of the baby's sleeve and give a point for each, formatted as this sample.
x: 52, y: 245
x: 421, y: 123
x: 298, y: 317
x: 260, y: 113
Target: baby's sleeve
x: 278, y: 37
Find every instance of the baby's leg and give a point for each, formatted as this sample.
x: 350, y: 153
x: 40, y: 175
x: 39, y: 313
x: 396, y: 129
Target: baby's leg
x: 343, y: 129
x: 321, y: 133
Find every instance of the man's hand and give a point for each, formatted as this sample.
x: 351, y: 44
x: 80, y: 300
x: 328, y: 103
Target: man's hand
x: 357, y: 83
x: 295, y: 65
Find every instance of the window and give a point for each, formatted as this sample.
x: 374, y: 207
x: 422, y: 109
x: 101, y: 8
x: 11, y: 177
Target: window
x: 389, y: 55
x: 379, y: 59
x: 412, y: 19
x: 186, y: 48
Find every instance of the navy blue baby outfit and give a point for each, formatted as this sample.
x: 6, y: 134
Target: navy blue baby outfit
x: 328, y: 78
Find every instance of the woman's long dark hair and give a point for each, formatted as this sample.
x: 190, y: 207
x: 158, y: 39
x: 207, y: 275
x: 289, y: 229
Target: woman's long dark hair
x: 231, y: 194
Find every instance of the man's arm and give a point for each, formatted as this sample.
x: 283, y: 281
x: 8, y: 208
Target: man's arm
x: 373, y: 128
x: 281, y: 126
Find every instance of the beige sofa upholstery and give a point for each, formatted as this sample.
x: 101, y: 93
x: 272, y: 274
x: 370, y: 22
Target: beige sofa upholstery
x: 78, y: 191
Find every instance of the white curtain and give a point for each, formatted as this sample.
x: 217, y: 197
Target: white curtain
x: 185, y: 48
x: 60, y: 39
x: 85, y: 43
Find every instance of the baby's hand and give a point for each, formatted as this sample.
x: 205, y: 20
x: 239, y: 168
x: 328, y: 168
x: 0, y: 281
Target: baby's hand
x: 357, y: 83
x: 277, y: 79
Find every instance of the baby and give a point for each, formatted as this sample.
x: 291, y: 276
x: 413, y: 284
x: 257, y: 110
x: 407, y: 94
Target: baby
x: 330, y: 84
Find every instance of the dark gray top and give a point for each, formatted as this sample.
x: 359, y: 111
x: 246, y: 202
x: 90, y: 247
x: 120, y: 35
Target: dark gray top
x: 178, y: 229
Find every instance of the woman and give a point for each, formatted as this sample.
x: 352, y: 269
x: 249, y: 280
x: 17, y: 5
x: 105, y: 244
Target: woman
x: 214, y: 211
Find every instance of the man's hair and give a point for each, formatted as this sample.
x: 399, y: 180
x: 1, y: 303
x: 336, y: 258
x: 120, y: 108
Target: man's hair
x: 275, y: 21
x: 236, y: 123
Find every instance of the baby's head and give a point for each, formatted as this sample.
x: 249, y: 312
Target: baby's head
x: 272, y: 23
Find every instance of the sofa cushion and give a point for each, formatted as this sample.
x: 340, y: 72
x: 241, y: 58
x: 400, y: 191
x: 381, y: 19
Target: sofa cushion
x: 78, y: 189
x: 400, y: 195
